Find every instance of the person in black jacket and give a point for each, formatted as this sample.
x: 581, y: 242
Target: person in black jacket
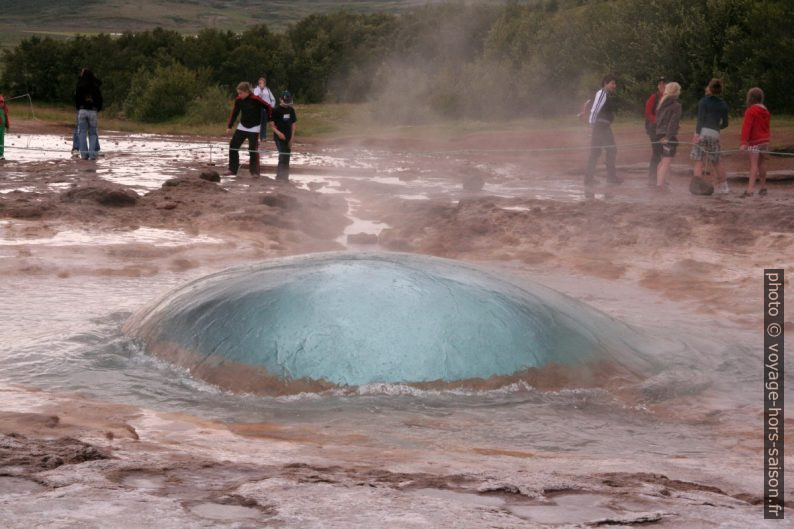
x: 712, y: 118
x: 88, y: 103
x: 249, y: 107
x: 284, y: 120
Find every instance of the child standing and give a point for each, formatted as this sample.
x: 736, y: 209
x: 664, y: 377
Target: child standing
x: 755, y: 139
x: 3, y: 126
x: 283, y: 123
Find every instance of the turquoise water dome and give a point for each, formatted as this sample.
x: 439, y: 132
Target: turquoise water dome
x: 353, y: 319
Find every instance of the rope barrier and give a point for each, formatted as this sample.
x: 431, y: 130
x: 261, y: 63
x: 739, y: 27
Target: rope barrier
x: 30, y: 102
x: 536, y: 150
x: 209, y: 147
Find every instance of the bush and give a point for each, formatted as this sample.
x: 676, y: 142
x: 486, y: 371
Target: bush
x: 212, y: 106
x: 163, y: 94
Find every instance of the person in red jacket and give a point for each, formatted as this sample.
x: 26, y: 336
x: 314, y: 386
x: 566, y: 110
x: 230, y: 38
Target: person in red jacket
x: 3, y: 126
x: 650, y: 129
x: 755, y: 139
x: 249, y: 107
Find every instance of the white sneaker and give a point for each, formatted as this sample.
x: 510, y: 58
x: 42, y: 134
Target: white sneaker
x: 75, y: 153
x: 724, y: 189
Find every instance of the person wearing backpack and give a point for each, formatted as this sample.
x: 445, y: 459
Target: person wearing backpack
x: 601, y: 116
x: 650, y: 129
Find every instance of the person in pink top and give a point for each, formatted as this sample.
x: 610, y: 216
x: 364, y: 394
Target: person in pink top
x: 755, y: 139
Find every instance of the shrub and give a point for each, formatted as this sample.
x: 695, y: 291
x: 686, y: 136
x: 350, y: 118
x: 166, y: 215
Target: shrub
x: 163, y: 94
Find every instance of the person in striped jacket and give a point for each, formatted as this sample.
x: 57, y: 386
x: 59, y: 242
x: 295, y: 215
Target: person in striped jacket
x: 602, y: 114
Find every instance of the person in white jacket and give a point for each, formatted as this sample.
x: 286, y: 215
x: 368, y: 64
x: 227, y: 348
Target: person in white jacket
x: 264, y: 93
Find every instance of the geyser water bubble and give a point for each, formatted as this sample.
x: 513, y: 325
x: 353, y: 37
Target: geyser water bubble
x: 340, y: 319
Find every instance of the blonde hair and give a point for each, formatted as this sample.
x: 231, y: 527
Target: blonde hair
x: 670, y: 90
x: 245, y: 86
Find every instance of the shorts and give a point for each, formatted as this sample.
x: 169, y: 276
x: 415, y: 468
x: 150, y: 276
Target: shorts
x: 669, y: 149
x: 707, y: 147
x: 758, y: 148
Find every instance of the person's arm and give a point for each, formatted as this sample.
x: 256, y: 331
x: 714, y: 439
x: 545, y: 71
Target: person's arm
x: 598, y: 103
x: 675, y: 120
x: 278, y: 133
x: 293, y: 128
x: 5, y: 113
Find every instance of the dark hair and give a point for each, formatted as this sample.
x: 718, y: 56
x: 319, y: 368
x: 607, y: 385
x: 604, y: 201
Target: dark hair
x: 262, y: 77
x: 608, y: 78
x: 755, y: 95
x: 715, y: 87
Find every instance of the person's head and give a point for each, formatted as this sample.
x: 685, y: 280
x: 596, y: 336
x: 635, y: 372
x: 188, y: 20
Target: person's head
x: 609, y: 82
x: 262, y: 82
x: 86, y: 73
x: 244, y: 89
x: 661, y: 82
x: 715, y: 87
x: 755, y: 96
x: 672, y: 90
x: 286, y: 97
x: 2, y: 101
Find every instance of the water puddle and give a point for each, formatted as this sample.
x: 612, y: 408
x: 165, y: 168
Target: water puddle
x: 218, y: 511
x: 143, y: 481
x: 152, y: 236
x: 567, y: 509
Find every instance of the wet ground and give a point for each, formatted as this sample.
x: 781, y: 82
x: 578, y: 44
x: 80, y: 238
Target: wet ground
x: 95, y: 432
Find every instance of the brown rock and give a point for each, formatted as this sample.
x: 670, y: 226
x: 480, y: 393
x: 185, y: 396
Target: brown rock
x: 210, y: 176
x: 279, y: 200
x: 111, y: 195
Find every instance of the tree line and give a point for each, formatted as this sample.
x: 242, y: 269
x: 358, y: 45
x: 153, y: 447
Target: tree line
x: 474, y: 60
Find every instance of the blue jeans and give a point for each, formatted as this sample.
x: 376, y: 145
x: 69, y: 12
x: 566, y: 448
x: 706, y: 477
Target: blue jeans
x: 75, y: 141
x: 87, y: 126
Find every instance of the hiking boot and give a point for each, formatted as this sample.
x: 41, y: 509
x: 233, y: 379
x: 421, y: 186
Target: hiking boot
x: 746, y: 194
x: 762, y: 192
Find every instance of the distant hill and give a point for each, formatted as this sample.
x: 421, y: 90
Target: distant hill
x: 20, y: 18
